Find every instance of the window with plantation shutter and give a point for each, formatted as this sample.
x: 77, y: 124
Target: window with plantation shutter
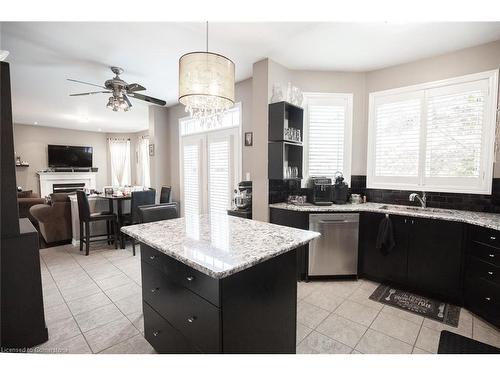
x: 210, y: 163
x: 434, y: 137
x: 327, y: 134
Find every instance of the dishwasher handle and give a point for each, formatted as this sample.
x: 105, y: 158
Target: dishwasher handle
x: 327, y: 221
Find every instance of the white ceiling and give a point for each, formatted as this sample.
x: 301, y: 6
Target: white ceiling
x: 43, y: 55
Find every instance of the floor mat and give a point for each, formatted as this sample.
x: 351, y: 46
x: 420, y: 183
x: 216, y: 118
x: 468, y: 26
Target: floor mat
x: 427, y: 307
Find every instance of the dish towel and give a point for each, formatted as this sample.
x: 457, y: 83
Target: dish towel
x: 385, y: 238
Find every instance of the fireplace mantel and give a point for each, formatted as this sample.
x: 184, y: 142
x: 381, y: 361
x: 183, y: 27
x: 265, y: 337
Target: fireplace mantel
x: 46, y: 180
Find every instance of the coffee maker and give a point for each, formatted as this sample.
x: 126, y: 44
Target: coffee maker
x: 321, y: 191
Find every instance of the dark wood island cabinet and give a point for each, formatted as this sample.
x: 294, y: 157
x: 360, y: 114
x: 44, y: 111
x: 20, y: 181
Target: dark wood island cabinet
x: 225, y: 285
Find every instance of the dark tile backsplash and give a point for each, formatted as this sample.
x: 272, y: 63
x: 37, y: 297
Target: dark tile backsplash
x: 279, y: 190
x: 469, y: 202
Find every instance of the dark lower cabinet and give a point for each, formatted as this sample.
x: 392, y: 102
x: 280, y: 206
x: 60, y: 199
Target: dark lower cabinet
x: 482, y: 274
x: 299, y: 220
x: 251, y: 311
x: 435, y: 256
x: 427, y: 256
x: 391, y: 266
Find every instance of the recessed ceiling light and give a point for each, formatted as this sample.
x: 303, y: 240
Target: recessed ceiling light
x: 36, y: 123
x: 100, y: 130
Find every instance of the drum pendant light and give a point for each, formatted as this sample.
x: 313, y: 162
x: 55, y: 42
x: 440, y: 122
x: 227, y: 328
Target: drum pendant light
x: 206, y: 83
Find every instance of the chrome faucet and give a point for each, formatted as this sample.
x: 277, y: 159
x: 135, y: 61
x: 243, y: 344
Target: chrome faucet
x: 422, y: 200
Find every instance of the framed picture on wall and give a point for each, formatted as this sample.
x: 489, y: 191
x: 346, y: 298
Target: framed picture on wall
x: 249, y: 139
x: 151, y: 149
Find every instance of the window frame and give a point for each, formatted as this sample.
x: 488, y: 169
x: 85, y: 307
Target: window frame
x: 329, y: 98
x: 484, y: 184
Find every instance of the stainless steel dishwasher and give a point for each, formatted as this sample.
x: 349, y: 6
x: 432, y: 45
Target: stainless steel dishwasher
x: 335, y: 253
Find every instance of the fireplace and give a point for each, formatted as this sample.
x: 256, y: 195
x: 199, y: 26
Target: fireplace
x: 68, y: 187
x: 55, y: 182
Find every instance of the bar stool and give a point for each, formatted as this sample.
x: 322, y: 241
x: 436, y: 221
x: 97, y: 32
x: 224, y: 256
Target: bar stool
x: 86, y: 218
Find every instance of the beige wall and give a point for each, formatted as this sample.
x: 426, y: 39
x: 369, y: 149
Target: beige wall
x: 466, y: 61
x: 30, y: 142
x: 159, y: 135
x: 243, y: 95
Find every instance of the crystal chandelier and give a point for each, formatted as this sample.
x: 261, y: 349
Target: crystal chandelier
x: 206, y: 84
x: 117, y: 104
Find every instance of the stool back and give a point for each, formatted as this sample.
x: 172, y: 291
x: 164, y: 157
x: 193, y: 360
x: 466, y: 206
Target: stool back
x: 83, y: 206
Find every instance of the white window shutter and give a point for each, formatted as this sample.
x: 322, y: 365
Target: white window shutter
x: 454, y: 134
x: 326, y: 139
x: 191, y: 183
x: 219, y: 175
x: 397, y: 136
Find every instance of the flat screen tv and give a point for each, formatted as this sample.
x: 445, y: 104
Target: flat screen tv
x: 70, y: 156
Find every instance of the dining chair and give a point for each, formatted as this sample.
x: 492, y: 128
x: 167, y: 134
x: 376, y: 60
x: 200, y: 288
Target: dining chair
x: 165, y: 194
x: 86, y: 217
x: 138, y: 198
x: 158, y: 212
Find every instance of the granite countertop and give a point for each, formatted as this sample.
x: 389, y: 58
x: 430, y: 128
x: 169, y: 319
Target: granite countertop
x: 219, y: 245
x: 483, y: 219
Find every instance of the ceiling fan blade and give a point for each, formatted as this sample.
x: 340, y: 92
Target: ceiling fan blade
x: 135, y: 87
x: 85, y: 83
x: 125, y: 97
x: 91, y: 93
x: 148, y: 99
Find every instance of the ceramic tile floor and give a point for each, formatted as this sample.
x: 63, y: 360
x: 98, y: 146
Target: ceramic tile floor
x: 93, y: 305
x: 338, y: 317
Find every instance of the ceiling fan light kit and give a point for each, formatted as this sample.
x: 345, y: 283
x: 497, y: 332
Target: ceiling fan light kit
x: 120, y: 90
x: 206, y: 83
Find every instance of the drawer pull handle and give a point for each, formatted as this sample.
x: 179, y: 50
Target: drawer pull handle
x: 155, y: 290
x: 488, y: 299
x: 156, y: 333
x: 491, y: 255
x: 191, y: 319
x: 152, y: 257
x: 490, y: 273
x: 493, y: 238
x: 190, y: 278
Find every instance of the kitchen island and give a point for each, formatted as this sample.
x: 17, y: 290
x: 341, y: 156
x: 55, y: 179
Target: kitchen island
x: 219, y: 284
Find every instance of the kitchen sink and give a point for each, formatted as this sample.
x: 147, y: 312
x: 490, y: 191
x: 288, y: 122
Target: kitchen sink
x: 414, y: 209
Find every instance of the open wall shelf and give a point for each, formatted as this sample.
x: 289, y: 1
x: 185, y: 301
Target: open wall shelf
x: 284, y: 153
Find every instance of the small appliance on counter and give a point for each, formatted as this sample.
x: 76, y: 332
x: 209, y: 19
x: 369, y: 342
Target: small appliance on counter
x: 321, y: 191
x: 242, y: 201
x: 340, y: 191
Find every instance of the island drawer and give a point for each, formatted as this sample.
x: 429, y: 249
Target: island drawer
x: 194, y: 317
x: 179, y: 273
x: 478, y: 268
x: 485, y: 235
x: 162, y: 336
x: 485, y: 252
x: 483, y: 298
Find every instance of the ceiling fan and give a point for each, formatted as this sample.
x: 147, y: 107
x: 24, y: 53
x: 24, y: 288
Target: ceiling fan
x: 120, y: 92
